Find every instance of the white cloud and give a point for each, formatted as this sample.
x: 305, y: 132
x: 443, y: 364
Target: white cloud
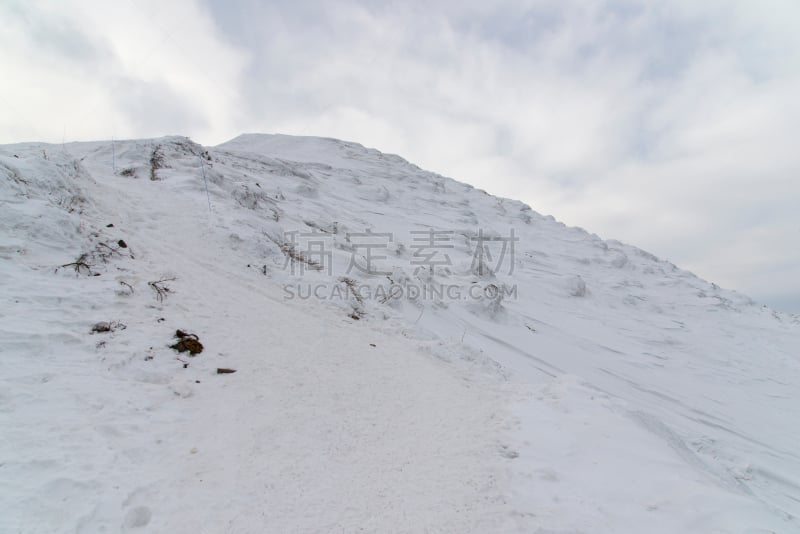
x: 131, y: 68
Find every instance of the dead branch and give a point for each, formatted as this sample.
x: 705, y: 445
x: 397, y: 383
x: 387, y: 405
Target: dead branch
x: 81, y: 263
x: 162, y: 290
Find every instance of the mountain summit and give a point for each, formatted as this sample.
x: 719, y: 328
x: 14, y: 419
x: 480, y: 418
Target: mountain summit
x: 298, y: 334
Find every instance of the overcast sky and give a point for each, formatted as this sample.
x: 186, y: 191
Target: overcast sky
x: 671, y: 125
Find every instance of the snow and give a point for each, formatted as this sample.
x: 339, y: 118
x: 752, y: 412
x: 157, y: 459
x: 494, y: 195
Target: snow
x: 603, y: 389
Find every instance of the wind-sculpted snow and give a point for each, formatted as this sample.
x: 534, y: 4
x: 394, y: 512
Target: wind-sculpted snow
x: 411, y: 355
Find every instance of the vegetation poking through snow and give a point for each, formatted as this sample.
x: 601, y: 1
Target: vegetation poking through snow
x: 161, y: 289
x: 156, y: 162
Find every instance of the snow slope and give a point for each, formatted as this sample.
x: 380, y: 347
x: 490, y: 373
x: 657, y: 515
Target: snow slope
x: 609, y: 391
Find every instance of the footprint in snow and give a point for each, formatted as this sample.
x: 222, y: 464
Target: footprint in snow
x: 137, y: 518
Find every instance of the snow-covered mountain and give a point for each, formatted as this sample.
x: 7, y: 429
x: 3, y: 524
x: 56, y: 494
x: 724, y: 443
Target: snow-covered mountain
x: 411, y: 355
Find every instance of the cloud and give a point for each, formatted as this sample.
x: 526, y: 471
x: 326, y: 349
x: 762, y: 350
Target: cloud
x: 668, y: 125
x: 90, y: 67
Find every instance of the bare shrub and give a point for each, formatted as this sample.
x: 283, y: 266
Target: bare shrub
x: 352, y: 286
x: 156, y: 162
x: 357, y: 307
x: 289, y: 250
x: 80, y: 265
x: 161, y: 289
x: 127, y: 291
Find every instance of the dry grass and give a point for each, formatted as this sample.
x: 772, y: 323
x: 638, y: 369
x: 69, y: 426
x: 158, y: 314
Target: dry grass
x: 156, y: 162
x: 161, y: 289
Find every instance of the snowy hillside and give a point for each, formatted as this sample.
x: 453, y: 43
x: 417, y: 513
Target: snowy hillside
x: 383, y: 350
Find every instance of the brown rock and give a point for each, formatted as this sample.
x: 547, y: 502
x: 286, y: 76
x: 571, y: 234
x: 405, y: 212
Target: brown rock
x: 188, y: 344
